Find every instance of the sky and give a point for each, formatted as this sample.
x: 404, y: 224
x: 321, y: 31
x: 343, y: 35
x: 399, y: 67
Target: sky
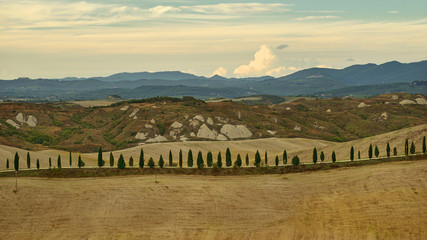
x: 56, y: 39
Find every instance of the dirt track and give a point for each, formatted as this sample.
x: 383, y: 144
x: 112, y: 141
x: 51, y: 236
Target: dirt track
x: 383, y: 201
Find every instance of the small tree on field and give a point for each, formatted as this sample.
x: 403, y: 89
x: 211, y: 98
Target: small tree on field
x: 80, y: 162
x: 412, y: 148
x: 190, y: 159
x: 200, y: 161
x: 28, y: 160
x: 247, y: 159
x: 209, y: 159
x: 228, y: 158
x: 121, y: 163
x: 352, y: 153
x: 71, y: 160
x: 358, y: 154
x: 219, y: 160
x: 285, y: 157
x: 111, y: 160
x: 180, y: 158
x: 16, y: 161
x: 322, y: 156
x: 295, y: 160
x: 334, y: 157
x: 424, y: 145
x: 7, y: 163
x: 151, y: 162
x: 170, y: 158
x: 58, y: 162
x: 141, y: 158
x: 101, y: 162
x: 370, y: 151
x: 388, y: 149
x: 238, y: 162
x: 257, y: 162
x: 314, y: 155
x: 276, y: 161
x: 131, y: 161
x: 406, y: 147
x: 395, y: 151
x: 377, y: 151
x: 161, y: 162
x: 50, y: 162
x: 38, y: 164
x: 265, y: 159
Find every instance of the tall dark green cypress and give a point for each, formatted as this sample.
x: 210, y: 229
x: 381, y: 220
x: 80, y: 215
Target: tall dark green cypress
x: 377, y: 151
x: 265, y: 159
x: 7, y: 163
x: 170, y: 158
x: 50, y: 162
x: 131, y: 161
x: 28, y: 160
x: 228, y: 158
x: 412, y: 148
x: 276, y: 161
x: 141, y: 158
x: 247, y: 159
x: 424, y: 145
x: 285, y: 157
x: 71, y: 160
x: 209, y: 159
x: 295, y: 160
x: 322, y: 156
x: 190, y: 159
x: 58, y: 162
x: 180, y: 158
x: 238, y: 162
x: 406, y: 147
x: 38, y: 164
x: 370, y: 151
x: 200, y: 162
x: 16, y: 161
x: 257, y: 162
x: 334, y: 157
x: 80, y: 162
x: 314, y: 155
x: 101, y: 162
x: 388, y: 149
x: 395, y: 151
x: 150, y: 162
x: 161, y: 163
x: 219, y: 160
x: 121, y: 162
x: 111, y: 160
x: 358, y: 154
x: 352, y: 153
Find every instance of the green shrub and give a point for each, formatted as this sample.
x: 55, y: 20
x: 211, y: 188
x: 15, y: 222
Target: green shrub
x: 295, y: 160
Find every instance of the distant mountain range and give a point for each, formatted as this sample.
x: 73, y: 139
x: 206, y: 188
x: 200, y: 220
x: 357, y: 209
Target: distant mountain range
x: 357, y: 80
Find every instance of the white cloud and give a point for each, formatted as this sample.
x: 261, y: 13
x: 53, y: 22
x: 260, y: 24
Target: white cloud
x: 308, y: 18
x: 282, y: 71
x: 323, y: 66
x: 160, y: 10
x: 261, y: 62
x: 234, y: 8
x: 393, y: 12
x: 221, y: 71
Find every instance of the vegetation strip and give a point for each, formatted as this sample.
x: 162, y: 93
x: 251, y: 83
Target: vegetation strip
x: 105, y: 172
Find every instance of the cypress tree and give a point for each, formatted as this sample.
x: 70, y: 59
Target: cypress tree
x: 238, y: 162
x: 334, y: 157
x: 150, y: 162
x: 161, y: 162
x: 352, y: 153
x: 276, y: 161
x: 314, y: 155
x: 58, y: 162
x: 7, y: 163
x: 38, y: 164
x: 111, y: 160
x: 170, y: 158
x: 219, y: 160
x: 322, y: 156
x: 424, y: 145
x: 141, y: 158
x: 388, y: 150
x: 50, y: 162
x: 285, y: 157
x: 71, y: 160
x: 209, y: 159
x: 412, y: 148
x: 257, y: 162
x: 80, y: 162
x: 190, y: 159
x: 406, y: 147
x: 101, y: 162
x: 295, y: 160
x: 28, y: 160
x: 180, y: 158
x: 370, y: 151
x: 265, y: 159
x: 131, y: 161
x: 377, y: 151
x: 228, y: 158
x: 395, y: 151
x: 200, y: 161
x: 16, y: 161
x: 358, y: 154
x: 247, y: 159
x: 121, y: 162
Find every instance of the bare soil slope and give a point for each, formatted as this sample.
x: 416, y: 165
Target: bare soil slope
x: 386, y: 201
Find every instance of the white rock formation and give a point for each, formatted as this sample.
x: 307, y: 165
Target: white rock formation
x: 192, y: 134
x: 407, y: 102
x: 133, y: 114
x: 383, y: 117
x: 183, y: 138
x: 157, y: 139
x: 239, y: 115
x: 297, y: 128
x: 239, y: 131
x: 272, y: 132
x: 20, y: 117
x: 14, y: 124
x: 199, y: 118
x: 421, y: 101
x: 32, y: 121
x: 221, y: 137
x: 152, y: 121
x: 176, y: 125
x: 328, y: 111
x: 395, y: 97
x: 209, y: 121
x: 205, y: 132
x: 125, y: 108
x: 140, y: 136
x: 194, y: 123
x: 288, y: 108
x: 149, y: 126
x: 362, y: 105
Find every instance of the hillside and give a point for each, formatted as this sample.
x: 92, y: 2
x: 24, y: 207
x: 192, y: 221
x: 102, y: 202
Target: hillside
x: 126, y: 124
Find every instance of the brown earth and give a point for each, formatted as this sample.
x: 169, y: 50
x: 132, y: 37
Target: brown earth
x: 385, y: 201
